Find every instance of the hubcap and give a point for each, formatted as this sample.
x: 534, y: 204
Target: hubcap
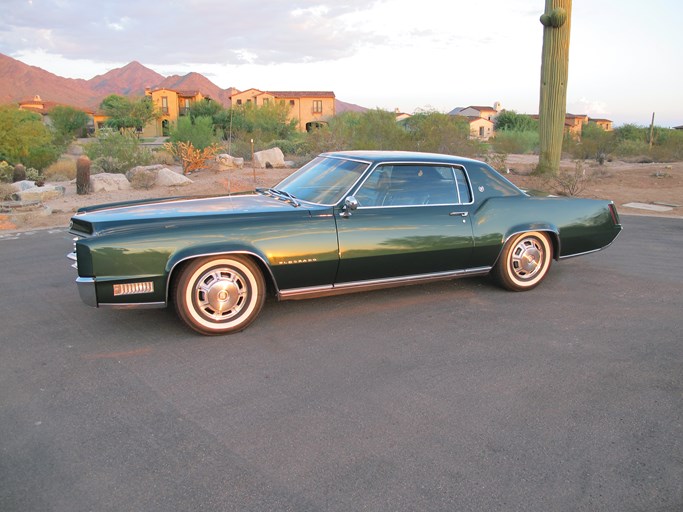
x: 527, y: 258
x: 221, y: 294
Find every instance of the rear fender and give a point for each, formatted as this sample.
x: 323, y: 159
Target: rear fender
x: 550, y: 229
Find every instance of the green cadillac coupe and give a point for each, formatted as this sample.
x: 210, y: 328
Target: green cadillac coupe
x: 346, y: 221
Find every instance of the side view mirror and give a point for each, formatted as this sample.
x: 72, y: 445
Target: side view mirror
x: 350, y: 204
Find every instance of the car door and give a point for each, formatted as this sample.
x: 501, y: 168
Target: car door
x: 410, y: 220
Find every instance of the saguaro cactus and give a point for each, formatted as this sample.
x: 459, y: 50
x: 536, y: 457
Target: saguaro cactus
x: 82, y: 175
x: 554, y: 73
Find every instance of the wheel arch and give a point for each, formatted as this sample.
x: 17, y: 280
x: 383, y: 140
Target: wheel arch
x: 178, y: 261
x: 552, y: 231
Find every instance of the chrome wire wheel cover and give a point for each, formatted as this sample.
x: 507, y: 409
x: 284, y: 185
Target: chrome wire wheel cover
x: 527, y: 258
x: 220, y: 294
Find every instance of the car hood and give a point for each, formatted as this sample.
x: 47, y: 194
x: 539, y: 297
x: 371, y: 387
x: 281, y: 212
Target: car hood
x: 171, y: 211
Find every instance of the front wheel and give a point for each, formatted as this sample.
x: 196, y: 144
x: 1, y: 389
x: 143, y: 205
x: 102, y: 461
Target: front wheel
x: 219, y: 294
x: 524, y: 262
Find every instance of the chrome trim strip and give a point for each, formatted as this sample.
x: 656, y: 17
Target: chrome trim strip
x: 202, y: 255
x: 136, y: 305
x: 357, y: 186
x: 373, y: 284
x: 72, y: 256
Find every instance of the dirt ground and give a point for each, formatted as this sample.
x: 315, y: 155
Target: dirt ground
x: 622, y: 182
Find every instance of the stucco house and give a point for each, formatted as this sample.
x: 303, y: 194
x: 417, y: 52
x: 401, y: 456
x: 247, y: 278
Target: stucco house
x: 482, y: 119
x: 605, y: 124
x: 39, y: 106
x: 172, y: 105
x: 481, y: 128
x: 309, y: 108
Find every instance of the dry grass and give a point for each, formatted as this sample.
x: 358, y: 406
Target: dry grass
x: 6, y: 191
x: 61, y: 170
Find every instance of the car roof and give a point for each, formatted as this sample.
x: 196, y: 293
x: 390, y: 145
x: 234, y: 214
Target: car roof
x: 399, y: 156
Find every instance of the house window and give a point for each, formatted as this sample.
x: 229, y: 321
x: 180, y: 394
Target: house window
x: 317, y: 106
x: 239, y: 102
x: 291, y: 103
x: 186, y: 107
x: 164, y: 105
x: 481, y: 131
x: 266, y: 101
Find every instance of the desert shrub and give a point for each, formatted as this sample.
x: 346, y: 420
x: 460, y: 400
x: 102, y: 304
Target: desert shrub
x: 25, y: 139
x: 61, y: 170
x: 6, y: 172
x: 516, y: 142
x: 108, y: 164
x: 509, y: 120
x: 497, y: 160
x: 290, y: 147
x: 191, y: 158
x: 163, y: 157
x: 198, y: 132
x: 117, y: 152
x: 68, y: 123
x: 572, y: 183
x: 6, y: 191
x: 628, y: 148
x: 34, y: 174
x: 669, y: 147
x: 439, y: 133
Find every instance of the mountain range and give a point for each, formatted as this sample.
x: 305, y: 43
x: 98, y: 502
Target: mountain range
x: 20, y: 82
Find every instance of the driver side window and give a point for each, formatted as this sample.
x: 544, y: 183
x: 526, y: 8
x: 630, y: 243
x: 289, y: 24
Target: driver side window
x: 408, y: 185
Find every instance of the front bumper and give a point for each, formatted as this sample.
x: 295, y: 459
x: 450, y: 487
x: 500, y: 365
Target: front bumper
x: 86, y: 289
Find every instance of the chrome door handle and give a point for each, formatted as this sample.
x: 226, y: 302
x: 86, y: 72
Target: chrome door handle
x: 459, y: 214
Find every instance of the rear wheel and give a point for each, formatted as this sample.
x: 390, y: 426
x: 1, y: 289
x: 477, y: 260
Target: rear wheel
x: 219, y: 294
x: 525, y: 261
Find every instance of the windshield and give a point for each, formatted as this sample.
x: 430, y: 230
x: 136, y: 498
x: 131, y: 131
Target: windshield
x: 323, y: 180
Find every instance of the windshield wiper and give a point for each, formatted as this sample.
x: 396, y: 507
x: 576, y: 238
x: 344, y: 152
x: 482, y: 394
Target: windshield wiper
x: 279, y: 194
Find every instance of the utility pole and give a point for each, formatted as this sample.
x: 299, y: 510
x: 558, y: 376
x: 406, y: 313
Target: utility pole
x: 556, y: 21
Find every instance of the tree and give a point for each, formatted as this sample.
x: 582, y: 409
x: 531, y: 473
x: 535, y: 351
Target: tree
x: 199, y: 133
x: 554, y: 73
x: 439, y: 133
x: 509, y: 120
x: 25, y: 139
x: 68, y: 122
x: 125, y: 113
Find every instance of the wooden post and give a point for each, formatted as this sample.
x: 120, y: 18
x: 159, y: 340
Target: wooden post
x: 253, y: 164
x: 652, y: 130
x: 554, y: 74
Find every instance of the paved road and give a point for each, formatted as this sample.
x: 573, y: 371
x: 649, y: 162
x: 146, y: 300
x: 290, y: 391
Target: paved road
x: 452, y: 396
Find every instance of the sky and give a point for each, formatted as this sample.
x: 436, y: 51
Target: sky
x: 624, y: 60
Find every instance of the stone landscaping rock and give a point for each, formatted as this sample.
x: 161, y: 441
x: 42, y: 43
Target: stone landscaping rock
x: 144, y: 169
x: 23, y: 185
x: 108, y: 182
x: 226, y: 162
x: 167, y: 178
x: 269, y: 158
x: 40, y: 193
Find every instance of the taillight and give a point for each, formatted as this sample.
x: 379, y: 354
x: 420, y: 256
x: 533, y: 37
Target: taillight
x: 613, y: 213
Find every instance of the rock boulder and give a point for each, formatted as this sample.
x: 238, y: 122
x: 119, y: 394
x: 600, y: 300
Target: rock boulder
x: 108, y: 182
x: 269, y: 158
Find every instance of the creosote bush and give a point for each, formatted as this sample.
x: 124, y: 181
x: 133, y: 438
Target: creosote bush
x: 117, y: 152
x: 572, y: 183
